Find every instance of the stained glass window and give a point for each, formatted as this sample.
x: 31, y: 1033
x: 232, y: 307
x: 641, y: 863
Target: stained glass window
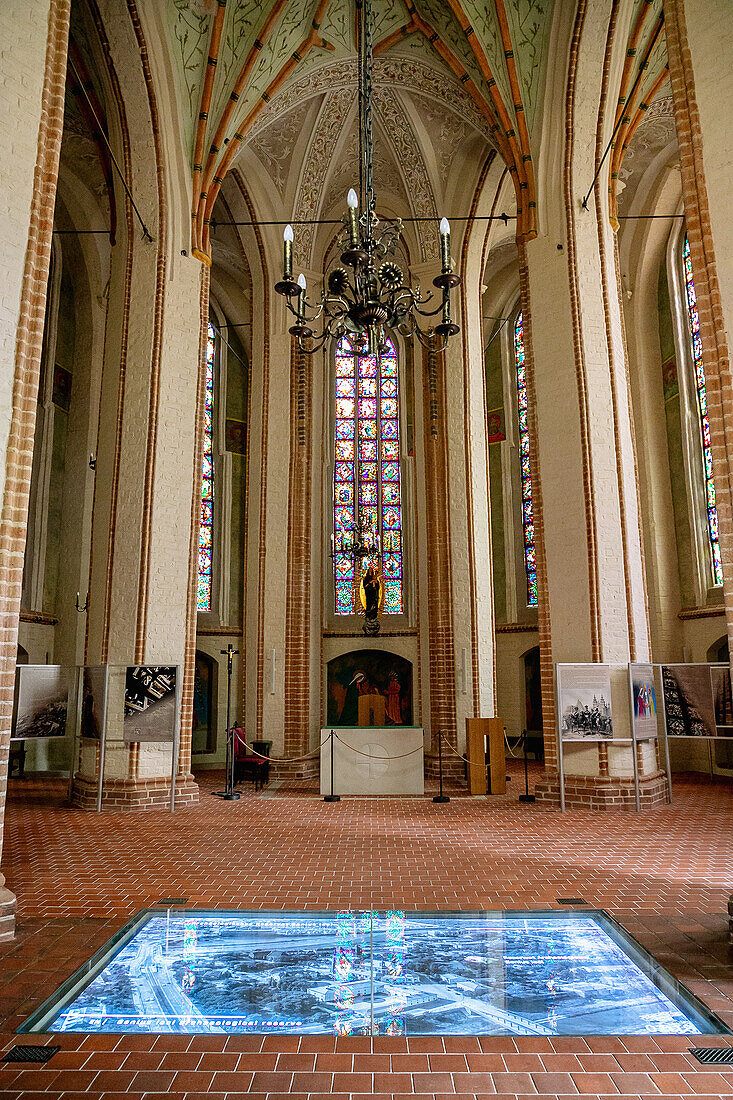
x: 367, y: 490
x: 206, y: 522
x: 702, y: 404
x: 530, y: 557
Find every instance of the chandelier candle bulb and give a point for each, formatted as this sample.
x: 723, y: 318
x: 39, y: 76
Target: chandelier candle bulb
x: 352, y: 203
x: 288, y: 252
x: 445, y: 244
x: 301, y: 297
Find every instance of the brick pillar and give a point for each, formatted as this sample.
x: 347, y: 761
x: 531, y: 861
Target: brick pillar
x: 35, y: 40
x: 441, y: 665
x: 299, y: 580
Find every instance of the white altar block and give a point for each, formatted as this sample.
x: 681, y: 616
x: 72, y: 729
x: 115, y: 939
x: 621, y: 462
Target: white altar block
x: 384, y: 769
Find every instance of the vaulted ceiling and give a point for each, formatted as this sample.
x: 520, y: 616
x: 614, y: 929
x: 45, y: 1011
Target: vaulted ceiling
x: 269, y: 85
x: 448, y: 73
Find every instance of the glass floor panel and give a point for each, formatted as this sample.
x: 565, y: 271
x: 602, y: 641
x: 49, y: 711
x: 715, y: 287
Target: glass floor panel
x: 373, y: 973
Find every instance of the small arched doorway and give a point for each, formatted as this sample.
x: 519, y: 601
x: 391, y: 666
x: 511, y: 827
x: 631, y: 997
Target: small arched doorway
x: 203, y: 739
x: 533, y: 702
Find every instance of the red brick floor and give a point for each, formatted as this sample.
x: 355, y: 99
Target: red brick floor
x: 664, y: 874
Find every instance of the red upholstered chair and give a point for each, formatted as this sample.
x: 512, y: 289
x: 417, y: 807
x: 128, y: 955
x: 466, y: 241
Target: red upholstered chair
x: 247, y: 765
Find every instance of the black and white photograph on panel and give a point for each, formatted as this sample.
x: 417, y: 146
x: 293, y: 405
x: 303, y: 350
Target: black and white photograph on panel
x: 150, y: 703
x: 41, y: 701
x: 584, y: 702
x: 689, y: 709
x: 93, y: 701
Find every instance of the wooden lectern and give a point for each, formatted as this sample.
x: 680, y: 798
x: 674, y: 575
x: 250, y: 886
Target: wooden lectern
x: 477, y: 731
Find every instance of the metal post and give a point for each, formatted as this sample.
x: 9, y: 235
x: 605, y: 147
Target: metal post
x: 526, y: 797
x: 176, y: 742
x: 332, y: 797
x: 662, y: 711
x: 559, y: 739
x: 229, y: 793
x: 634, y: 743
x: 440, y: 797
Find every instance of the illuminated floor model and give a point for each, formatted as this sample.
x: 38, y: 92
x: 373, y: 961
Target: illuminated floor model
x: 385, y: 973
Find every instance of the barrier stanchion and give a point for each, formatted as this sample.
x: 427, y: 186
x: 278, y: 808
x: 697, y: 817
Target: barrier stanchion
x: 440, y: 797
x: 332, y: 797
x: 229, y: 794
x: 526, y: 797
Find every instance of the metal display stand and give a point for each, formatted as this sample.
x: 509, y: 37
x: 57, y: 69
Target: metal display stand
x: 682, y: 737
x: 103, y: 740
x: 176, y: 742
x: 599, y: 741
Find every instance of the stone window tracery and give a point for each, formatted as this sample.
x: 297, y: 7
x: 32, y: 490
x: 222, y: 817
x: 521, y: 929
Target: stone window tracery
x: 525, y: 475
x: 367, y: 487
x: 693, y: 321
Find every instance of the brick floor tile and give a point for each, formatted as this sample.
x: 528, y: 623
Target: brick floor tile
x: 594, y: 1083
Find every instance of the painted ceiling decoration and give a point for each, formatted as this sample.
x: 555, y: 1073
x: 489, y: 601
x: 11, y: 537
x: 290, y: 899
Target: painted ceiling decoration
x: 645, y: 74
x: 233, y: 57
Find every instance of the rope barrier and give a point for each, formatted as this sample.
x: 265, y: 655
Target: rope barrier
x: 471, y: 763
x: 509, y: 747
x: 368, y: 757
x: 279, y: 759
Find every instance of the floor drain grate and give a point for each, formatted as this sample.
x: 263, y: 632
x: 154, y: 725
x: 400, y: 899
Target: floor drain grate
x: 171, y: 901
x: 571, y: 901
x: 713, y: 1056
x: 37, y: 1054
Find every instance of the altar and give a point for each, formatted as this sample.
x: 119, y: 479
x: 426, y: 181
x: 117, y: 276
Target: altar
x: 373, y: 760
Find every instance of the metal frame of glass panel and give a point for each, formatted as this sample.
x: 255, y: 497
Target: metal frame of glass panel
x: 352, y: 926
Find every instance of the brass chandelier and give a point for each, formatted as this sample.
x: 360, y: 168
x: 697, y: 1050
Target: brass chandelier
x: 367, y: 292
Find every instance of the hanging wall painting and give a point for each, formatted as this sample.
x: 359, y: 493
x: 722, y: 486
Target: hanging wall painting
x: 41, y: 701
x: 689, y: 708
x: 584, y: 702
x: 369, y: 687
x: 150, y: 703
x: 94, y: 701
x: 644, y: 701
x: 495, y: 426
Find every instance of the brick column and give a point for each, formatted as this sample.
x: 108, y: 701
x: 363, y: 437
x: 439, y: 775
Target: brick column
x: 34, y: 42
x: 299, y: 583
x: 441, y: 665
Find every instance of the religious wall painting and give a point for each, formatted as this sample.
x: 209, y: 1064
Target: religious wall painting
x: 670, y: 383
x: 584, y: 702
x: 61, y: 395
x: 495, y: 425
x: 369, y: 687
x: 236, y: 436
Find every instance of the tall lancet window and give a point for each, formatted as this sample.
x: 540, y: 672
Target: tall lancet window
x: 530, y: 559
x: 206, y: 522
x: 367, y: 494
x: 702, y: 407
